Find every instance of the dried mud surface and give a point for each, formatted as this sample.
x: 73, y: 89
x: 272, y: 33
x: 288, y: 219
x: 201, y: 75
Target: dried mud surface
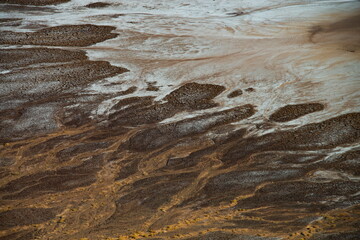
x: 141, y: 121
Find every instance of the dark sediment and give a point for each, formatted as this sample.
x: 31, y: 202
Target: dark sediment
x: 55, y: 78
x: 227, y: 236
x: 189, y: 97
x: 303, y: 194
x: 345, y: 162
x: 130, y: 90
x: 4, y: 161
x: 336, y: 236
x: 152, y: 88
x: 153, y: 138
x: 247, y: 152
x: 20, y: 235
x: 10, y: 22
x: 14, y: 58
x: 327, y: 134
x: 189, y: 161
x: 65, y: 35
x: 68, y: 153
x: 291, y: 112
x: 235, y: 93
x: 4, y: 20
x: 148, y: 195
x: 225, y: 187
x: 40, y: 89
x: 25, y: 216
x: 51, y: 143
x: 133, y: 102
x: 98, y: 5
x: 34, y: 2
x: 250, y: 89
x: 64, y: 179
x: 191, y: 93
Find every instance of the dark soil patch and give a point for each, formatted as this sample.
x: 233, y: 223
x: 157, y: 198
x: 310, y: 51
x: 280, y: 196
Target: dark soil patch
x: 50, y: 144
x: 57, y: 78
x: 304, y: 195
x: 10, y: 22
x: 156, y: 137
x: 336, y: 236
x: 67, y: 153
x: 21, y: 235
x: 227, y: 236
x: 291, y: 112
x: 336, y: 131
x: 5, y: 161
x: 189, y: 161
x: 250, y: 89
x: 227, y: 186
x: 146, y: 113
x: 347, y: 162
x: 189, y: 97
x: 192, y: 93
x: 148, y: 195
x: 282, y: 159
x: 34, y: 2
x: 152, y: 88
x: 98, y: 5
x: 61, y: 180
x: 65, y: 35
x: 128, y: 168
x: 130, y: 90
x: 13, y: 58
x: 4, y: 20
x: 106, y: 134
x: 40, y: 89
x: 235, y: 93
x: 25, y: 216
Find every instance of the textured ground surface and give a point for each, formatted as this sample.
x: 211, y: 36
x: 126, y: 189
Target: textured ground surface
x: 194, y: 120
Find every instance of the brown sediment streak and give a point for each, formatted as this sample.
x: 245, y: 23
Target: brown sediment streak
x: 341, y: 130
x: 98, y: 5
x: 4, y: 20
x: 25, y: 216
x: 10, y: 22
x: 153, y: 138
x: 65, y: 35
x: 60, y: 180
x: 67, y: 76
x: 14, y: 58
x: 142, y: 110
x: 34, y: 2
x: 235, y: 93
x: 291, y: 112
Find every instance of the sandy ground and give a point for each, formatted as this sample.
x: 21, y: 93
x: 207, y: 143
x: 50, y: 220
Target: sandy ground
x: 179, y: 120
